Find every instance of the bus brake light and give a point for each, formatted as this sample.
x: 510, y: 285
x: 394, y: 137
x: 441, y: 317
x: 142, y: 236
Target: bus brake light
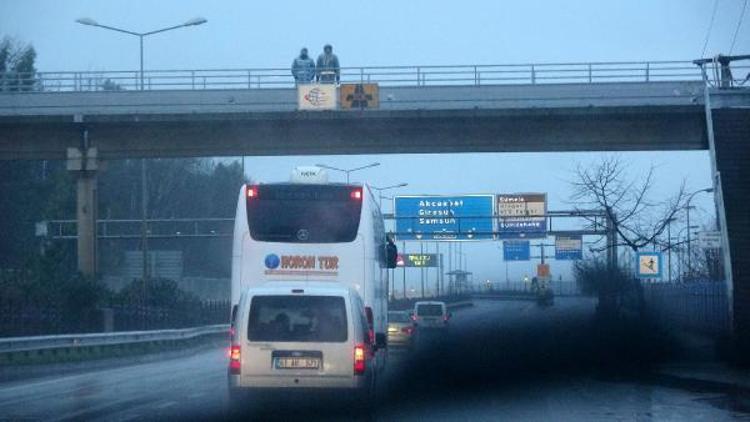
x: 356, y: 194
x: 252, y: 192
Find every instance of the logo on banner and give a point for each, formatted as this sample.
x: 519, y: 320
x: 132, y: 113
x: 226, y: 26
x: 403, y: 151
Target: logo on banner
x: 316, y: 97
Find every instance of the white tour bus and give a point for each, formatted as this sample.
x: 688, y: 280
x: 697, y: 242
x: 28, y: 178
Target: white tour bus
x: 317, y: 232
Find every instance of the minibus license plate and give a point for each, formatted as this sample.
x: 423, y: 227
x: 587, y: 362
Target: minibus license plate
x: 297, y: 363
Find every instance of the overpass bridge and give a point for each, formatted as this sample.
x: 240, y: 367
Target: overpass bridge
x: 85, y: 117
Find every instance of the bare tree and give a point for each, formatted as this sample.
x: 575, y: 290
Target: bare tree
x: 637, y: 219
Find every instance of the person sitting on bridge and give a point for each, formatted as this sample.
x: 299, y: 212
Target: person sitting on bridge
x: 328, y: 69
x: 303, y: 68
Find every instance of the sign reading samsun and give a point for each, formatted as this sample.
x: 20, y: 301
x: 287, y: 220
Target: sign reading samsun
x: 466, y: 217
x: 302, y: 264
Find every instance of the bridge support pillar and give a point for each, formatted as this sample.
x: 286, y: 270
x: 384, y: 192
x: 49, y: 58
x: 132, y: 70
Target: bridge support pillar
x: 729, y: 138
x: 83, y: 164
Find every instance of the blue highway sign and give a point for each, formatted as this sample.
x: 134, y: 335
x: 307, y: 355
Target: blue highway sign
x: 467, y: 217
x: 516, y: 250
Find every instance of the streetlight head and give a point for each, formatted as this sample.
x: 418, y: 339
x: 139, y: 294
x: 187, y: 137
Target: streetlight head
x: 708, y: 190
x: 196, y: 21
x: 87, y: 21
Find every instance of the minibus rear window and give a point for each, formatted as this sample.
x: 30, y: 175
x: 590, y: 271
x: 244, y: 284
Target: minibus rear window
x: 429, y: 310
x: 297, y: 319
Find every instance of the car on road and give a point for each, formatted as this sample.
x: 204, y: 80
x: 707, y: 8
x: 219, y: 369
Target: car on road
x: 401, y: 329
x: 430, y: 314
x: 298, y: 338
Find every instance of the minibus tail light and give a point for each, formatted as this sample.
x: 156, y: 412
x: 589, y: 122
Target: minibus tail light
x: 234, y: 359
x: 359, y: 359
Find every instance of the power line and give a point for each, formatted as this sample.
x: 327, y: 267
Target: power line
x: 739, y: 24
x: 710, y: 26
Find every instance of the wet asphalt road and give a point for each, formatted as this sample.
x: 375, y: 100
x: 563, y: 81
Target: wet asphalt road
x: 497, y: 360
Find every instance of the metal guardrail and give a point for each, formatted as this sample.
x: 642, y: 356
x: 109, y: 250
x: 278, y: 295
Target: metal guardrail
x: 131, y: 228
x: 386, y: 76
x: 23, y: 344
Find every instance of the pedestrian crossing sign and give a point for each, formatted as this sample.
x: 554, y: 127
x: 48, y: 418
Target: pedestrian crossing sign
x: 649, y: 264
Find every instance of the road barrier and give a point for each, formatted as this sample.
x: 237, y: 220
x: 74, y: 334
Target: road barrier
x: 63, y: 347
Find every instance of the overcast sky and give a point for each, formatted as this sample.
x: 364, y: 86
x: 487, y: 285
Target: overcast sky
x: 243, y: 34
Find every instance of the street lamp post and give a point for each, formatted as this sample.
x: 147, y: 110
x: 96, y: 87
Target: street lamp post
x: 669, y: 248
x: 687, y: 208
x: 380, y: 191
x: 348, y: 171
x: 141, y: 35
x: 681, y: 256
x: 144, y: 188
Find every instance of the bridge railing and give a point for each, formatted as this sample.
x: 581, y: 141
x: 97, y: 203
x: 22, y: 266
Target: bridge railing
x: 440, y: 75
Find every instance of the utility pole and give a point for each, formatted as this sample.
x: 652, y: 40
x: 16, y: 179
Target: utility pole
x: 403, y: 253
x: 421, y: 270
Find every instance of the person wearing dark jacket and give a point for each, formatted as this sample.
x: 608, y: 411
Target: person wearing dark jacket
x: 303, y: 68
x: 327, y: 69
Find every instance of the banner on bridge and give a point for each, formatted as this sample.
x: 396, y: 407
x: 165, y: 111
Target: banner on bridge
x: 316, y: 97
x: 467, y: 217
x: 522, y: 215
x: 359, y: 96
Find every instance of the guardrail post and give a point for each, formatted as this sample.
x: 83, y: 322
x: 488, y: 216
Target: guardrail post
x: 249, y: 79
x: 591, y: 78
x: 192, y: 79
x: 533, y: 75
x: 361, y: 75
x: 647, y: 71
x: 476, y: 76
x: 418, y: 75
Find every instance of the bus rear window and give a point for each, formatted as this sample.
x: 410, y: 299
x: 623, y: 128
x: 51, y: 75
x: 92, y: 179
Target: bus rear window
x: 298, y: 319
x: 304, y: 214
